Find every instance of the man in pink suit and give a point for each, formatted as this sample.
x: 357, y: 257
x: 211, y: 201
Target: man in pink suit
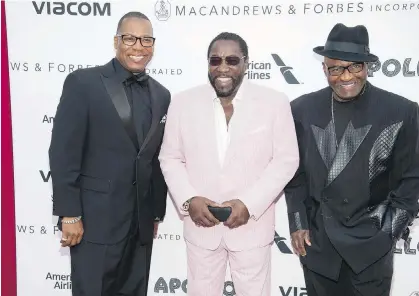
x: 233, y: 148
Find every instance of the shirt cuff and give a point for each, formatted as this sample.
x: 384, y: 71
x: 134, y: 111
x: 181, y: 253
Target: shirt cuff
x: 297, y: 221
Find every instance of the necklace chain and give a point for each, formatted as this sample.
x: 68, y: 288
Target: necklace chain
x: 333, y: 122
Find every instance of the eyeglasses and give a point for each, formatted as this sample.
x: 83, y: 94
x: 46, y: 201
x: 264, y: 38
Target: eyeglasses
x: 131, y: 40
x: 229, y: 60
x: 352, y: 68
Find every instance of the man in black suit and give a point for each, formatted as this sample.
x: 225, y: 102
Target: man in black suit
x: 108, y: 188
x: 356, y: 190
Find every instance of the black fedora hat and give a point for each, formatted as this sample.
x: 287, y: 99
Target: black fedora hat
x: 347, y: 44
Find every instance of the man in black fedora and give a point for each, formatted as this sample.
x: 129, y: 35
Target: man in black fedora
x: 356, y: 190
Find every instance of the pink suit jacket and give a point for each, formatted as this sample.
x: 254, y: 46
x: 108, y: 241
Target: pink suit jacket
x: 261, y: 159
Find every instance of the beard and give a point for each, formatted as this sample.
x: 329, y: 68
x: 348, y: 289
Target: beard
x: 223, y: 92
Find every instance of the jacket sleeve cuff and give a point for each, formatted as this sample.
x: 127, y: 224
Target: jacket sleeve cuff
x: 254, y: 211
x: 400, y: 221
x: 67, y: 207
x: 297, y: 221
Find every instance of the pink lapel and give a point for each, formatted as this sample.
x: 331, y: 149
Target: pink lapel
x: 207, y: 126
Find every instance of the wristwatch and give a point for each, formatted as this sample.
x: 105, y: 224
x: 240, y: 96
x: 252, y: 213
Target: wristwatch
x: 186, y: 204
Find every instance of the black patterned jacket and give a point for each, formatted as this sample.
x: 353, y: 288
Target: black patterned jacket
x: 358, y: 199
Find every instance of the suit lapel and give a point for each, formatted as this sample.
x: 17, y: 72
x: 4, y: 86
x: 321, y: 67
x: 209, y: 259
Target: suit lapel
x: 119, y: 100
x: 326, y: 143
x: 334, y: 159
x: 207, y: 127
x: 351, y: 140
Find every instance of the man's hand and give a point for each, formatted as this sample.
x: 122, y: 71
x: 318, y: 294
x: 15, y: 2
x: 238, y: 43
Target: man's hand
x: 298, y: 239
x: 239, y: 213
x: 72, y: 233
x: 156, y: 228
x: 199, y: 213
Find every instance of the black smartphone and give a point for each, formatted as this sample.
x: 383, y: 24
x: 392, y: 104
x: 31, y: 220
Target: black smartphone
x: 221, y: 213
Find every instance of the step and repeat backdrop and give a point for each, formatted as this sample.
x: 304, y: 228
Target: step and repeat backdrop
x: 48, y: 40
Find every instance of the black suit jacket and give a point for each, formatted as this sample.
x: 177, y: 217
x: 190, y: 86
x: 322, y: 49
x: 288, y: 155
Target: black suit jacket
x: 358, y: 199
x: 96, y: 171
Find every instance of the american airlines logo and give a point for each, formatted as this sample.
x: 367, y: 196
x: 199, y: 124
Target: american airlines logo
x: 263, y: 70
x: 280, y: 243
x: 286, y: 71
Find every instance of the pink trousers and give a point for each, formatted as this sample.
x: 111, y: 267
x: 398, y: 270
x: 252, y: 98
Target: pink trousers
x: 250, y: 270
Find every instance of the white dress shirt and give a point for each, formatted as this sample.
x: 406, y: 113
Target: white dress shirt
x: 222, y: 130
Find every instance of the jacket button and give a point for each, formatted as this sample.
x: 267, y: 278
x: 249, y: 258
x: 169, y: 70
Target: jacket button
x: 134, y: 182
x: 345, y: 201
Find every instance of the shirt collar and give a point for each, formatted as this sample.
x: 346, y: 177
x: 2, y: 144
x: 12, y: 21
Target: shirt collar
x: 122, y: 73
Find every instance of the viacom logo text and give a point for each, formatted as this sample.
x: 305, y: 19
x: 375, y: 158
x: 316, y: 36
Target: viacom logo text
x: 72, y: 8
x: 175, y: 285
x: 45, y: 175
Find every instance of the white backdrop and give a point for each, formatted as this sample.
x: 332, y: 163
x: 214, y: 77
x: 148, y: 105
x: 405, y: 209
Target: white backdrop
x: 46, y: 43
